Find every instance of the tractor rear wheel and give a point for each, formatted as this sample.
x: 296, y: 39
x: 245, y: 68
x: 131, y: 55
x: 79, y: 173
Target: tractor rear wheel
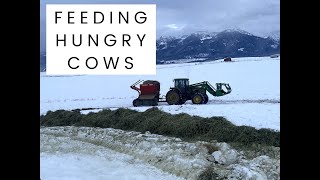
x: 198, y: 98
x: 173, y: 97
x: 206, y: 99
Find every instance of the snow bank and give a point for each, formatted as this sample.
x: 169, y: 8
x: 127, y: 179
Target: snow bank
x: 169, y: 154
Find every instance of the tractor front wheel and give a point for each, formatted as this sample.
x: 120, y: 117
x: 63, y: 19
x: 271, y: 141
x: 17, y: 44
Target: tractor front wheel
x: 198, y: 98
x: 173, y: 97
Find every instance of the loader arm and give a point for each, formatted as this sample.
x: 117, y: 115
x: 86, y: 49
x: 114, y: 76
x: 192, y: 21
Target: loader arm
x: 218, y: 91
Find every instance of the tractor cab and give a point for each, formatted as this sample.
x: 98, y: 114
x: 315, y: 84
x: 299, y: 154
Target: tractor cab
x: 182, y: 84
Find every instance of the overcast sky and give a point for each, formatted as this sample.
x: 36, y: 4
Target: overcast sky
x: 177, y: 17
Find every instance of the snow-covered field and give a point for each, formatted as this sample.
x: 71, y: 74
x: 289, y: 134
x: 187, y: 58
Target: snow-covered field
x: 254, y: 100
x: 63, y: 158
x: 95, y: 153
x: 105, y: 153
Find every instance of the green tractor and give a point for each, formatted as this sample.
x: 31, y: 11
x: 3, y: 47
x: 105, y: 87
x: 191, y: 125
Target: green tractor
x: 197, y: 93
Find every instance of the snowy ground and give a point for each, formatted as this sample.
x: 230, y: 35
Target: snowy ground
x: 96, y: 153
x: 112, y: 166
x: 254, y: 100
x: 63, y: 158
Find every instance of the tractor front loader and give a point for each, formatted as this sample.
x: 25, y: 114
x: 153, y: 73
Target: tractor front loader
x: 197, y: 93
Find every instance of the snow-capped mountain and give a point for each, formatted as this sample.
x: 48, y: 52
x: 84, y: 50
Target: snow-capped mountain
x: 228, y: 43
x: 211, y: 45
x: 274, y: 35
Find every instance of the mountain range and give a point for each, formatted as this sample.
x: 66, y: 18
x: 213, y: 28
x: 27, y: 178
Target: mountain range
x: 217, y: 45
x: 210, y: 46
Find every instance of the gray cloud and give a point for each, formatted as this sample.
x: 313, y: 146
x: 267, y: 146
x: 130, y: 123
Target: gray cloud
x: 177, y: 17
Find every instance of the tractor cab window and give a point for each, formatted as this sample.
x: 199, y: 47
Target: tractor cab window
x: 176, y: 84
x: 181, y: 83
